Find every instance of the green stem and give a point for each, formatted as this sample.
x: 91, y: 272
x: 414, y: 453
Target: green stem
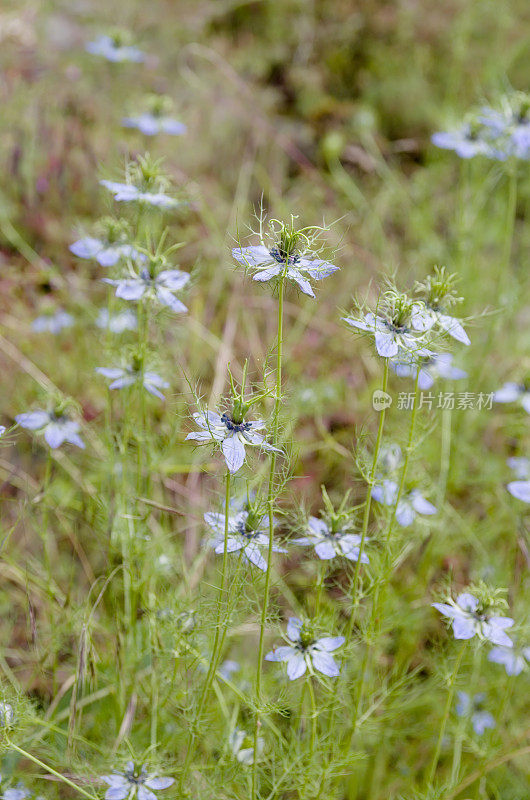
x: 447, y: 709
x: 355, y: 581
x: 52, y: 771
x: 457, y: 748
x: 313, y: 717
x: 218, y: 637
x: 367, y: 506
x: 445, y: 454
x: 270, y: 504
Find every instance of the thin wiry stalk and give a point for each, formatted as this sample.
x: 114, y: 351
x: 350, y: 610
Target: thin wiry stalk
x: 270, y: 504
x: 445, y: 717
x: 218, y: 637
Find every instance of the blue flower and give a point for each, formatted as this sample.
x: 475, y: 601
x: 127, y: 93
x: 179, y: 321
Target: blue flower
x: 245, y: 755
x: 305, y: 652
x: 114, y: 49
x: 271, y: 264
x: 424, y: 317
x: 161, y: 287
x: 232, y: 436
x: 56, y: 427
x: 520, y: 465
x: 409, y: 505
x: 469, y: 620
x: 466, y: 141
x: 514, y: 660
x: 122, y: 377
x: 132, y: 780
x: 389, y: 338
x: 437, y: 366
x: 241, y: 537
x: 117, y: 323
x: 329, y: 544
x: 151, y: 124
x: 52, y: 323
x: 228, y: 668
x: 128, y: 192
x: 18, y: 792
x: 104, y: 252
x: 3, y: 429
x: 514, y: 393
x: 520, y: 490
x: 472, y: 707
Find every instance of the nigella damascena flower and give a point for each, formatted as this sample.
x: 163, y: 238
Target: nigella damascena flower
x: 128, y: 193
x: 514, y: 659
x: 56, y: 426
x: 390, y: 338
x: 117, y: 323
x: 509, y: 125
x: 329, y: 543
x: 520, y: 465
x: 514, y: 393
x: 437, y: 366
x: 228, y: 668
x: 469, y: 619
x: 288, y: 256
x: 232, y: 435
x: 242, y: 746
x: 305, y: 652
x: 410, y: 505
x: 520, y: 490
x: 106, y: 253
x: 18, y: 792
x: 115, y: 48
x: 467, y: 141
x: 151, y: 124
x: 160, y: 287
x: 471, y: 707
x: 134, y: 779
x: 246, y: 533
x: 424, y: 317
x: 121, y: 377
x: 52, y: 323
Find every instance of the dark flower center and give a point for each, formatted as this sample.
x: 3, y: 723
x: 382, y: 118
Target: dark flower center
x: 283, y: 258
x: 236, y: 427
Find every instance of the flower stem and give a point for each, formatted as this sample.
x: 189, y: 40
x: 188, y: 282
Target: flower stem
x: 447, y: 709
x: 218, y: 639
x: 52, y: 771
x: 270, y: 504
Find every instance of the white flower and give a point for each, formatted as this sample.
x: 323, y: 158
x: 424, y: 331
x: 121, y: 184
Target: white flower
x: 390, y: 339
x: 131, y: 374
x: 151, y: 124
x: 113, y: 49
x: 240, y: 537
x: 270, y: 264
x: 132, y: 780
x: 409, y: 505
x: 105, y: 252
x: 472, y: 707
x: 514, y: 660
x: 128, y: 192
x: 437, y: 366
x: 424, y: 317
x: 245, y: 755
x: 329, y: 544
x: 232, y: 436
x: 161, y: 287
x: 514, y: 393
x: 57, y: 428
x: 520, y: 465
x: 520, y: 490
x: 304, y: 652
x: 469, y: 620
x: 52, y: 323
x: 117, y: 323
